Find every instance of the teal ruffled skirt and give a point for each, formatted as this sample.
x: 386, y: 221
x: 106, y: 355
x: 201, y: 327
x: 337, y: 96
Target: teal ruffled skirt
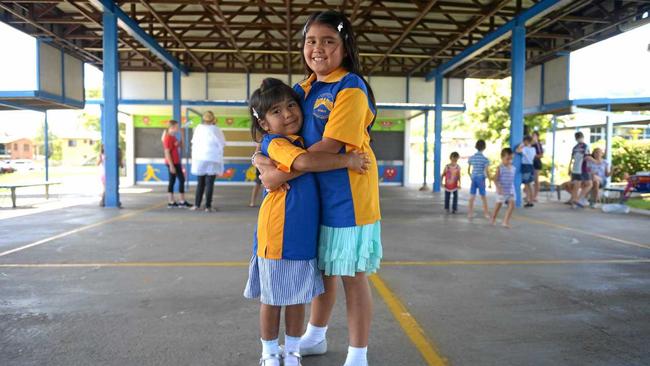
x: 344, y: 251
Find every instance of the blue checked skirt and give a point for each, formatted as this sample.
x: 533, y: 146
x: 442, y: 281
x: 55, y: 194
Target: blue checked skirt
x: 282, y: 282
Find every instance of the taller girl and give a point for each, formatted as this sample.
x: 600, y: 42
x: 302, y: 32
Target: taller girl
x: 339, y: 110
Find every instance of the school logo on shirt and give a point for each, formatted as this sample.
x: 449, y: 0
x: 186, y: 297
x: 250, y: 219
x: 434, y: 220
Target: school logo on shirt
x: 323, y: 106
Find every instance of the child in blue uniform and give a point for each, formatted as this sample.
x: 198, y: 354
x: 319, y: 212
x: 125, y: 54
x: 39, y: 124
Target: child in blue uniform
x: 283, y: 270
x: 339, y: 110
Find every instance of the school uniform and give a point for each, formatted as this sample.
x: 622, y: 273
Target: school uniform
x: 339, y: 108
x: 283, y: 269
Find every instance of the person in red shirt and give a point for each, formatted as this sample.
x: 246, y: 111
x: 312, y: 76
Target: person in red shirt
x: 173, y: 161
x: 451, y: 178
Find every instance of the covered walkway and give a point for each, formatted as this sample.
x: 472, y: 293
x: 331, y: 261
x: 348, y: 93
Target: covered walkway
x: 150, y: 286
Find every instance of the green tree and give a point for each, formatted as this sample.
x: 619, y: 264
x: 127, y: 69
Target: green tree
x: 93, y: 123
x: 491, y: 115
x: 55, y: 147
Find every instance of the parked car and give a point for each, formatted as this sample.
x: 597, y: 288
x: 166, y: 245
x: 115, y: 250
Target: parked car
x: 22, y: 165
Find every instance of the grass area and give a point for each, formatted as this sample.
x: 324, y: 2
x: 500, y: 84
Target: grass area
x: 642, y: 203
x: 56, y: 173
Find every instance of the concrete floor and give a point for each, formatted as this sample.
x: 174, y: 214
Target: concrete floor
x: 150, y: 286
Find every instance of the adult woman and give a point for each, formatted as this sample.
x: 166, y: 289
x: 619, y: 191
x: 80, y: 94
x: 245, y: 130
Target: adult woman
x: 207, y: 158
x: 537, y: 163
x: 599, y: 170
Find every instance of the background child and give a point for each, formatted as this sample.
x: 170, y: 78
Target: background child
x: 478, y: 170
x: 580, y: 177
x: 451, y: 180
x: 505, y: 183
x: 284, y: 270
x: 173, y: 161
x: 528, y: 154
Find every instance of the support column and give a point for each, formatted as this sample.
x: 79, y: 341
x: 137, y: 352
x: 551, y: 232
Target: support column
x: 609, y: 138
x: 176, y: 95
x: 109, y: 117
x: 46, y: 148
x: 425, y: 187
x: 518, y: 66
x: 437, y: 147
x: 553, y: 154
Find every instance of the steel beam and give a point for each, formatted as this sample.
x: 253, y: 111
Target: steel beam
x: 486, y: 42
x: 518, y: 68
x: 110, y: 138
x: 133, y: 28
x: 437, y: 147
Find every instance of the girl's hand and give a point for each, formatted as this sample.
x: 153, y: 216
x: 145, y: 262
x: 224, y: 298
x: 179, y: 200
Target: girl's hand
x: 264, y: 163
x: 358, y: 162
x: 273, y: 182
x: 172, y: 169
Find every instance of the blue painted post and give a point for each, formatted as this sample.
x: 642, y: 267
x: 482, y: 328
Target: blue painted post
x: 609, y: 138
x: 408, y: 88
x: 248, y: 85
x: 553, y: 155
x: 176, y: 109
x: 517, y: 65
x: 426, y: 150
x: 46, y: 148
x: 437, y: 147
x: 110, y: 137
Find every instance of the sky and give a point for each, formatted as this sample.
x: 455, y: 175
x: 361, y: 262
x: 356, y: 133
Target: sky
x: 616, y: 67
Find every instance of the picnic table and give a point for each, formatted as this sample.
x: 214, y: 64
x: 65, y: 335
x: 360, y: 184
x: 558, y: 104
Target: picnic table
x: 13, y: 188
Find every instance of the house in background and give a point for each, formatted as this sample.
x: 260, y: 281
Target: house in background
x: 13, y: 147
x: 79, y: 147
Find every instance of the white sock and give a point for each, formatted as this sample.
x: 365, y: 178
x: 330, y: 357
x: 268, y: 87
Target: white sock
x: 313, y: 336
x: 271, y: 347
x: 357, y: 356
x: 291, y: 344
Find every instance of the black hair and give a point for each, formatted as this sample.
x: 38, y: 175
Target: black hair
x: 454, y: 155
x: 480, y: 145
x: 340, y: 23
x: 506, y: 151
x: 271, y: 92
x: 536, y: 133
x: 528, y: 138
x: 579, y: 135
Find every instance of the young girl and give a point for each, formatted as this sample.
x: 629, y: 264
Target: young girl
x: 451, y: 179
x: 505, y: 182
x: 283, y: 270
x: 172, y: 158
x: 339, y: 109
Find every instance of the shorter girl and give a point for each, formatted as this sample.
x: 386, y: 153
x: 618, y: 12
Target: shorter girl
x: 599, y: 170
x: 283, y: 270
x: 505, y: 183
x: 451, y: 179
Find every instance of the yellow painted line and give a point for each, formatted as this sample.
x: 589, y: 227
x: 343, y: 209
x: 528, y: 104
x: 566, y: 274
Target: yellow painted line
x: 559, y: 226
x: 385, y: 263
x: 80, y: 229
x: 124, y: 264
x: 509, y: 262
x: 408, y: 323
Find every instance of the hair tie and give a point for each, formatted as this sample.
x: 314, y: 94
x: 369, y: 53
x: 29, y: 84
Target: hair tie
x: 255, y: 113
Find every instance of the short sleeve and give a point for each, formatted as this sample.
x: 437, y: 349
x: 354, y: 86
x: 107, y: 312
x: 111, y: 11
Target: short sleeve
x: 167, y: 144
x: 284, y: 153
x: 349, y: 118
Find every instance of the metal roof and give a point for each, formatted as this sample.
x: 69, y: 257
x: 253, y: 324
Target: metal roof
x: 395, y: 37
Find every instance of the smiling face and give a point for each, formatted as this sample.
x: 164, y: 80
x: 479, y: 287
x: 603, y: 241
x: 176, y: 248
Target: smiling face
x: 323, y: 50
x: 284, y: 118
x: 506, y: 159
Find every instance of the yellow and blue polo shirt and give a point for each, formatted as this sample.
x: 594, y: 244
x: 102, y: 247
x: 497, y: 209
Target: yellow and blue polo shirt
x: 339, y: 108
x: 288, y: 222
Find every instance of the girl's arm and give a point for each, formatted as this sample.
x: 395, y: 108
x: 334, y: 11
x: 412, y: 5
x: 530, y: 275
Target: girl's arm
x: 320, y: 161
x: 442, y: 176
x: 520, y: 148
x: 496, y: 182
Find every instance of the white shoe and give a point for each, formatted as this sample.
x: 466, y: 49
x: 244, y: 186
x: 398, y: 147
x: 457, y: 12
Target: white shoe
x: 318, y: 349
x: 271, y: 358
x: 293, y: 354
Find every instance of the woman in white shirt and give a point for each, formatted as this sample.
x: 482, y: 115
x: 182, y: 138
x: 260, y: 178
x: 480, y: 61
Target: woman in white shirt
x: 208, y: 143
